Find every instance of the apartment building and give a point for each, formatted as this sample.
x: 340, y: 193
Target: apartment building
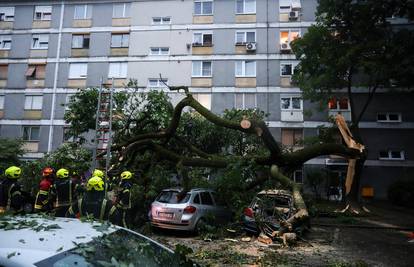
x: 232, y: 54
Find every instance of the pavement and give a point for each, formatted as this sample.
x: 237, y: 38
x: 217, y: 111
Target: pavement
x: 375, y: 239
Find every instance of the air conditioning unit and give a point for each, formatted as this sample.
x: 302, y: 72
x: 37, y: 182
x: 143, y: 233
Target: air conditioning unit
x: 293, y: 15
x: 251, y: 46
x: 285, y: 47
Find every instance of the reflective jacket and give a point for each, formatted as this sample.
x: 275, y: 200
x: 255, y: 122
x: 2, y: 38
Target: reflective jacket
x: 124, y: 195
x: 94, y: 203
x: 43, y: 197
x: 11, y: 195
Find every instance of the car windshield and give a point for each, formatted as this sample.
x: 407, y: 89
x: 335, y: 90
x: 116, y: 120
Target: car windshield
x: 120, y: 248
x: 173, y: 197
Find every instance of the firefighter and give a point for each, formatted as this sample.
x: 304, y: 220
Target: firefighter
x: 123, y: 199
x: 45, y: 195
x: 77, y: 184
x: 64, y: 189
x: 101, y: 174
x: 94, y: 203
x: 11, y: 199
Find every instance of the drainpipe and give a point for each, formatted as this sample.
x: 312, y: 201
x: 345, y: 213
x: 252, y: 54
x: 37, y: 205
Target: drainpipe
x: 52, y: 113
x: 267, y: 60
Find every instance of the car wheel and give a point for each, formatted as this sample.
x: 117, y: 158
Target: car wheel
x: 200, y: 226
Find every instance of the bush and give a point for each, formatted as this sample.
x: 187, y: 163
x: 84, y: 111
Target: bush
x: 402, y: 193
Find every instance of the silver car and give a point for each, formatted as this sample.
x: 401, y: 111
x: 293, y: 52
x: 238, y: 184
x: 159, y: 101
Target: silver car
x: 180, y: 210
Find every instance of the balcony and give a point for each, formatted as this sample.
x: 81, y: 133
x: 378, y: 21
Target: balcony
x: 292, y: 115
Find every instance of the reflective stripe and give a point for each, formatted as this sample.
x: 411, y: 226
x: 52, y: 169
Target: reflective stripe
x: 103, y: 207
x: 43, y: 192
x: 113, y: 209
x: 9, y: 198
x: 70, y: 191
x: 38, y: 207
x: 80, y: 206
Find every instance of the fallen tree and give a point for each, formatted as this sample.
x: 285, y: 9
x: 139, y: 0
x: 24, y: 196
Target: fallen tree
x: 276, y: 158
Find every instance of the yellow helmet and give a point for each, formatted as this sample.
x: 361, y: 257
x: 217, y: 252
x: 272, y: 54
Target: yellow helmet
x: 95, y: 183
x: 98, y: 173
x: 126, y: 175
x: 62, y: 173
x: 13, y: 172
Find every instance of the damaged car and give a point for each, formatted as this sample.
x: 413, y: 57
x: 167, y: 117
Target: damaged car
x: 267, y: 211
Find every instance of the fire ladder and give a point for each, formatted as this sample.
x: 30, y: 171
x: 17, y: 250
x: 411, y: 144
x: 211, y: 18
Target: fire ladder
x: 103, y: 126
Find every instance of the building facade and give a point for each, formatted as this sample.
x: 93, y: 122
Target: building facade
x: 231, y: 53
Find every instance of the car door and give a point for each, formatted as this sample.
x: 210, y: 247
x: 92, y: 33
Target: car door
x: 221, y: 209
x: 207, y: 204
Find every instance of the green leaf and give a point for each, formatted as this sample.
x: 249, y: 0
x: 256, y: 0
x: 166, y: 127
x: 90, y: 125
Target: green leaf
x: 11, y: 255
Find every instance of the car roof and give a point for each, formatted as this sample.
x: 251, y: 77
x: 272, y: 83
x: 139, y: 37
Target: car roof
x: 41, y: 237
x: 275, y: 192
x: 191, y: 190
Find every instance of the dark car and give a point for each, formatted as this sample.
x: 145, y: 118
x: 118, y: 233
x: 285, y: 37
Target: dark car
x: 266, y: 210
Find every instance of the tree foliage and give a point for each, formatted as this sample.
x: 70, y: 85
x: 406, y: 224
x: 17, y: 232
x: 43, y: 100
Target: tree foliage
x: 356, y: 44
x: 10, y: 151
x: 71, y: 156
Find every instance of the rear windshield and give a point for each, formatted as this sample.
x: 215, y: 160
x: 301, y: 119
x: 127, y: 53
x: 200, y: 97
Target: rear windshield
x: 120, y: 248
x: 173, y: 197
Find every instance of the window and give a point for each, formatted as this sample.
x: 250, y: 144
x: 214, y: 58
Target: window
x: 287, y: 68
x: 287, y: 36
x: 161, y: 20
x: 204, y: 100
x: 389, y: 117
x: 206, y: 198
x: 246, y: 68
x: 5, y: 42
x: 298, y: 176
x: 40, y: 41
x: 118, y: 70
x: 1, y: 101
x: 83, y: 12
x: 4, y: 69
x: 196, y: 199
x: 33, y: 102
x: 121, y: 10
x: 7, y: 13
x: 245, y: 101
x: 78, y: 70
x: 159, y: 51
x: 203, y: 7
x: 391, y: 155
x: 203, y: 39
x: 80, y: 41
x: 43, y: 13
x: 201, y: 69
x: 119, y: 40
x: 243, y: 37
x: 36, y: 72
x: 157, y: 82
x: 339, y: 104
x: 31, y: 133
x: 291, y: 103
x: 291, y: 137
x: 245, y: 6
